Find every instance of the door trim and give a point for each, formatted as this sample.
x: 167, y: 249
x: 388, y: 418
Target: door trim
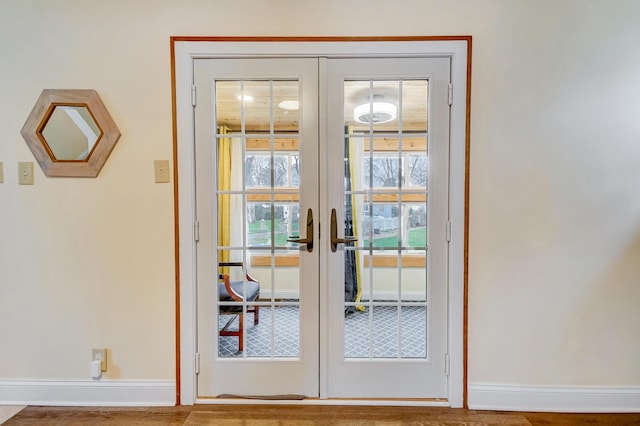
x: 185, y: 49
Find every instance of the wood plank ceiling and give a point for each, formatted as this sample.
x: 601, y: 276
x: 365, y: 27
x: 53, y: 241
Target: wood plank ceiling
x: 410, y: 97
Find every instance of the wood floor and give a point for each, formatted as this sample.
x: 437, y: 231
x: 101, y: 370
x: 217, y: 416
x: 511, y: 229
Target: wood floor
x: 287, y: 415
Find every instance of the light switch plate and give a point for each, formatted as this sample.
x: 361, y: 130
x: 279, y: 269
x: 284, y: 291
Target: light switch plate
x: 25, y: 173
x: 1, y: 173
x: 161, y: 168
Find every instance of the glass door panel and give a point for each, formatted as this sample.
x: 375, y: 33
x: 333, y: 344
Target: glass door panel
x: 263, y: 176
x: 386, y: 154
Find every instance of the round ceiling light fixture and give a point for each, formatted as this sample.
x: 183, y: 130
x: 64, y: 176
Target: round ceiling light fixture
x: 289, y: 105
x: 375, y: 112
x: 245, y: 98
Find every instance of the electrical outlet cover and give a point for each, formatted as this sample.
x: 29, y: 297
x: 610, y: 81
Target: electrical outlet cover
x: 101, y: 355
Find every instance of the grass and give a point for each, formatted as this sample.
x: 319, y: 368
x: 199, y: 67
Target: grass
x: 260, y: 232
x: 417, y: 238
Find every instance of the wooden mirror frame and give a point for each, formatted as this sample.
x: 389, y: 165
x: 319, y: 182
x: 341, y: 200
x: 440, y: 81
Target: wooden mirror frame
x: 32, y: 132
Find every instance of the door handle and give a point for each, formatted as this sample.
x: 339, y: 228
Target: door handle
x: 334, y: 233
x: 309, y: 238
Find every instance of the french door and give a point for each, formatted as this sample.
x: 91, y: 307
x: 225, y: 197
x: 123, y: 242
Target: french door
x: 324, y: 184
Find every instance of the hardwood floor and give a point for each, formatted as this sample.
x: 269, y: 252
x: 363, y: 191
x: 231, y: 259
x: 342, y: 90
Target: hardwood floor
x: 311, y: 415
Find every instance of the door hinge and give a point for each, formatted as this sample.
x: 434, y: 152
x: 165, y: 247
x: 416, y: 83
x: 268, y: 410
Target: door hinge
x: 447, y: 364
x: 448, y: 231
x: 196, y: 231
x: 196, y: 364
x: 450, y: 93
x: 193, y: 95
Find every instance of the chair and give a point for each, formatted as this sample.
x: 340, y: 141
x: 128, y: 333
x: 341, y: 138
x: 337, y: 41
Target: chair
x: 232, y: 291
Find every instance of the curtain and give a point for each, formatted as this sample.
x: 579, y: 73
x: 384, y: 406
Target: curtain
x: 237, y: 219
x: 224, y: 200
x: 230, y: 226
x: 352, y: 277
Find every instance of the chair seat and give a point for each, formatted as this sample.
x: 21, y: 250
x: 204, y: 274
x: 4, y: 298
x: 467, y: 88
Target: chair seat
x: 252, y: 288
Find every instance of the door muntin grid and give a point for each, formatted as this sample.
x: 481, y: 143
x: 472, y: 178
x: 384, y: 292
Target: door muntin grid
x: 257, y: 194
x: 385, y: 204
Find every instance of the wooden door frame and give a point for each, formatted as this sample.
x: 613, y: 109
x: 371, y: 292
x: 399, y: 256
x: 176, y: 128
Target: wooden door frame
x: 185, y: 49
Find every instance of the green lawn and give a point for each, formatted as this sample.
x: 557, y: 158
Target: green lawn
x: 261, y: 235
x: 417, y: 238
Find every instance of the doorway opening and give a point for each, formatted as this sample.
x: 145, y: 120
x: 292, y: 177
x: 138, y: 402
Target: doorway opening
x: 381, y: 223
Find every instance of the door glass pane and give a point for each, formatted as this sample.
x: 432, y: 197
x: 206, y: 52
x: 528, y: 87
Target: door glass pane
x: 257, y: 170
x: 286, y: 106
x: 417, y: 169
x: 260, y: 336
x: 257, y: 106
x: 382, y: 171
x: 413, y: 323
x: 385, y: 205
x: 287, y: 326
x: 258, y: 211
x: 228, y: 104
x: 386, y: 328
x: 414, y: 106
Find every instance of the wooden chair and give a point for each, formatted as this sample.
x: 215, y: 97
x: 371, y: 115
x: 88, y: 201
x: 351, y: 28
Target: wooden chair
x: 233, y: 291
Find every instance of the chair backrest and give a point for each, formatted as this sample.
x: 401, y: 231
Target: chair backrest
x: 234, y: 290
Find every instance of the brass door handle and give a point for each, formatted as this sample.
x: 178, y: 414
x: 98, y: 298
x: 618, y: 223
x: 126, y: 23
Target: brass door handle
x: 309, y: 238
x: 334, y: 233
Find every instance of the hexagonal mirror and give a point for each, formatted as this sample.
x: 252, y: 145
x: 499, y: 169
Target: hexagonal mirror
x: 70, y: 132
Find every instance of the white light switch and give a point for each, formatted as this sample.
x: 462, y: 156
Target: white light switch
x: 25, y: 173
x: 161, y: 171
x: 1, y: 173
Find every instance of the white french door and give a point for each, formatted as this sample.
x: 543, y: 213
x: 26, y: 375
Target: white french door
x: 391, y: 340
x: 326, y: 182
x: 256, y: 182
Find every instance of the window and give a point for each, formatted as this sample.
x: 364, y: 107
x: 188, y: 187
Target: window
x: 258, y: 170
x: 284, y: 212
x: 286, y: 222
x: 386, y: 221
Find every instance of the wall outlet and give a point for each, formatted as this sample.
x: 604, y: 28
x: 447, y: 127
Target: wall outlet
x: 100, y: 355
x: 161, y: 168
x: 25, y: 173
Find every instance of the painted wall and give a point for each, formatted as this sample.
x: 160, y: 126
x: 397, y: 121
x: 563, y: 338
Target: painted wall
x: 554, y: 256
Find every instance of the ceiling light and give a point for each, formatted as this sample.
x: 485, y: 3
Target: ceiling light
x: 375, y: 112
x: 245, y: 98
x: 289, y: 105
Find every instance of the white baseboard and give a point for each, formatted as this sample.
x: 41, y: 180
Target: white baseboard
x: 609, y: 399
x: 87, y: 393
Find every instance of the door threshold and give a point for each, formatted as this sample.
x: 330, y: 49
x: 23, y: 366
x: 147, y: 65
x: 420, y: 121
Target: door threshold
x: 408, y: 402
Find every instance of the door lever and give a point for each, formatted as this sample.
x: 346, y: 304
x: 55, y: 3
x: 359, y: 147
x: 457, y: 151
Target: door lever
x: 334, y: 234
x: 309, y: 239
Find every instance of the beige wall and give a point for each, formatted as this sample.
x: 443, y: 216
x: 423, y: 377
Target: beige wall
x: 554, y: 269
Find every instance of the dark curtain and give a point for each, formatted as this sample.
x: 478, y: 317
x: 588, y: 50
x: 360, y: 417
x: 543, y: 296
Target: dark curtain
x: 350, y: 274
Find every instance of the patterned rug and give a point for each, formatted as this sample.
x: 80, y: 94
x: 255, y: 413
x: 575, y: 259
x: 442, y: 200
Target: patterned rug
x: 381, y: 340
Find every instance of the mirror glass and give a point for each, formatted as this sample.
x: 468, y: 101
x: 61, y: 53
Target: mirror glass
x: 71, y: 133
